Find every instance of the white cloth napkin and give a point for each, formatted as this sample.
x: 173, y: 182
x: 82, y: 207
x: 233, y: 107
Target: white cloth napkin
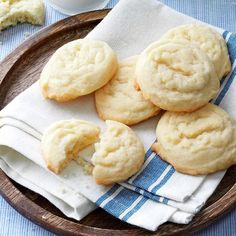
x: 32, y: 176
x: 128, y: 28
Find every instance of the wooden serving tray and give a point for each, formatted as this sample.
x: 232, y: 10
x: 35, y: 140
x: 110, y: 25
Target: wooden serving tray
x: 22, y: 68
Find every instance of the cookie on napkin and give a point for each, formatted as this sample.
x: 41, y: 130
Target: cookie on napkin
x: 176, y: 76
x: 118, y: 155
x: 119, y: 100
x: 197, y: 143
x: 78, y: 68
x: 208, y: 39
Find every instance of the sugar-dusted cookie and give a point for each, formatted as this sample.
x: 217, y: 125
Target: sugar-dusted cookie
x: 63, y: 140
x: 197, y: 143
x: 176, y: 76
x: 78, y: 68
x: 119, y: 100
x: 208, y: 39
x: 118, y: 155
x: 14, y: 11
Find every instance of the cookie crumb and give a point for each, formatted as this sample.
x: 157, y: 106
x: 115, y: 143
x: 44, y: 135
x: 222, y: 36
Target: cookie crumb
x: 86, y: 166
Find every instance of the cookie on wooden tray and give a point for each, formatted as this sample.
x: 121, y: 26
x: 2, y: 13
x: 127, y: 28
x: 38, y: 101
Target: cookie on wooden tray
x: 176, y: 76
x: 208, y: 39
x: 63, y: 140
x: 118, y: 155
x: 197, y: 143
x: 78, y: 68
x: 119, y: 100
x: 12, y: 12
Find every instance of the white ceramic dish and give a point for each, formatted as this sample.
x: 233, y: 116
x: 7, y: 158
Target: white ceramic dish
x: 72, y: 7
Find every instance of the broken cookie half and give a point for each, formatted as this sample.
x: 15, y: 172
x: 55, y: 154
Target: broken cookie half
x: 118, y: 154
x: 21, y: 11
x: 63, y: 140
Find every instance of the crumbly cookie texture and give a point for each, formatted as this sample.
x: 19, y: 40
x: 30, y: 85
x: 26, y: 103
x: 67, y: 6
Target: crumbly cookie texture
x: 176, y: 76
x: 86, y: 166
x: 21, y: 11
x: 84, y: 159
x: 119, y: 100
x: 78, y: 68
x: 63, y: 140
x: 197, y: 143
x: 208, y: 39
x: 119, y: 154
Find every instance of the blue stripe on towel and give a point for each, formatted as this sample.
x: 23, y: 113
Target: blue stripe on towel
x: 227, y: 80
x: 165, y: 201
x: 135, y: 209
x: 164, y: 180
x: 226, y: 88
x: 225, y: 34
x: 148, y: 153
x: 151, y: 196
x: 231, y: 44
x: 147, y: 194
x: 151, y: 173
x: 107, y: 194
x: 121, y: 202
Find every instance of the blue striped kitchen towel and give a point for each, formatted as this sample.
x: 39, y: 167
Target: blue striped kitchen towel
x: 157, y: 193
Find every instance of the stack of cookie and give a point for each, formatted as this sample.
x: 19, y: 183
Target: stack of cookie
x: 180, y: 74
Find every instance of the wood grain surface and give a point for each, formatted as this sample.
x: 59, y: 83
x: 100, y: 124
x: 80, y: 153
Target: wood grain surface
x: 22, y: 68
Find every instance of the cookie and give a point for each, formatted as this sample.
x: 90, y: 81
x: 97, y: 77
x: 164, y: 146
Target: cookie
x: 176, y: 76
x: 118, y: 155
x: 208, y: 39
x: 197, y: 143
x: 63, y: 140
x: 78, y: 68
x: 119, y: 100
x: 14, y: 11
